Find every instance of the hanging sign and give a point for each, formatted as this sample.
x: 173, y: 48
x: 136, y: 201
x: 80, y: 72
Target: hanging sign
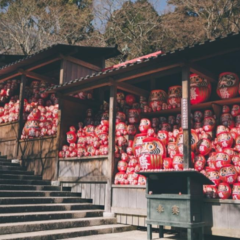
x: 184, y: 111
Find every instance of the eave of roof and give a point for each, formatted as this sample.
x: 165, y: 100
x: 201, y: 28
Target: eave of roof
x: 185, y: 53
x: 106, y: 52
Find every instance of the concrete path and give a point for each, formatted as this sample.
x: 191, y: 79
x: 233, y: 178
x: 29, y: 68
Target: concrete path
x: 136, y: 235
x: 132, y: 235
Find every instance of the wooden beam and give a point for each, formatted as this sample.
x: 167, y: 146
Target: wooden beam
x: 195, y: 68
x: 88, y: 85
x: 81, y: 63
x: 38, y: 76
x: 145, y: 71
x: 21, y: 110
x: 156, y: 75
x: 185, y: 111
x: 103, y: 79
x: 111, y: 146
x: 132, y: 89
x: 10, y: 77
x: 61, y: 74
x: 43, y: 63
x: 218, y: 111
x: 30, y: 68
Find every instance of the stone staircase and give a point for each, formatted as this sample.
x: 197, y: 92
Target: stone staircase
x: 30, y: 208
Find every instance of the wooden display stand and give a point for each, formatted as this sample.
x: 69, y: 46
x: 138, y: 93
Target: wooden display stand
x: 81, y: 70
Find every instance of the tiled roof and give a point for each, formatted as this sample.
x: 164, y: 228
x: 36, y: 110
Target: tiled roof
x: 28, y: 57
x: 56, y: 48
x: 140, y: 61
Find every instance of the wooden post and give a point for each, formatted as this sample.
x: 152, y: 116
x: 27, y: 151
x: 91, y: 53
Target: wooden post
x: 59, y: 136
x: 186, y: 119
x: 62, y: 73
x: 21, y: 108
x: 153, y: 83
x: 111, y: 147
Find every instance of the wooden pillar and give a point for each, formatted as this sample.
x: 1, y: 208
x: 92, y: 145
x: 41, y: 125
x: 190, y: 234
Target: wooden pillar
x: 60, y: 136
x: 21, y: 108
x: 153, y: 83
x: 186, y: 119
x: 111, y: 147
x: 62, y: 74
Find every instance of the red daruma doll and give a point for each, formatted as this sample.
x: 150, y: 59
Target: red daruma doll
x: 178, y: 162
x: 167, y: 163
x: 224, y: 191
x: 137, y: 143
x: 228, y: 85
x: 211, y: 191
x: 200, y: 89
x: 213, y: 175
x: 236, y: 191
x: 145, y: 124
x: 228, y: 174
x: 152, y: 153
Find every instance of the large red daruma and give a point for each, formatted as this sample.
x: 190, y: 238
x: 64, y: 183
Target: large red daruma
x: 200, y: 89
x: 228, y: 85
x: 152, y: 153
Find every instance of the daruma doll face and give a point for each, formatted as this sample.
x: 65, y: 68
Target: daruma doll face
x: 228, y: 85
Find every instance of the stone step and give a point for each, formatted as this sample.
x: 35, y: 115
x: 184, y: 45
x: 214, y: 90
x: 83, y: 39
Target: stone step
x: 67, y: 233
x: 37, y: 200
x: 29, y: 187
x: 39, y: 216
x: 20, y: 177
x: 16, y: 172
x: 24, y: 181
x: 5, y: 193
x: 12, y: 167
x: 8, y: 162
x: 4, y: 160
x: 48, y: 207
x: 22, y: 227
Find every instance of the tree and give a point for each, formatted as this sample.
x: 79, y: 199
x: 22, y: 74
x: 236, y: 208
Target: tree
x: 212, y: 17
x: 30, y: 25
x: 135, y: 27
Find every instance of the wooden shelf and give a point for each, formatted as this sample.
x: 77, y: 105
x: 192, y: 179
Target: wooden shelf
x: 201, y: 106
x: 129, y: 186
x: 84, y: 158
x: 162, y: 112
x: 37, y: 139
x: 8, y: 123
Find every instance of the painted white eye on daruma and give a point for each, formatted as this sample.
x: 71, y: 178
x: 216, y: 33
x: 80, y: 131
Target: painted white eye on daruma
x: 150, y: 147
